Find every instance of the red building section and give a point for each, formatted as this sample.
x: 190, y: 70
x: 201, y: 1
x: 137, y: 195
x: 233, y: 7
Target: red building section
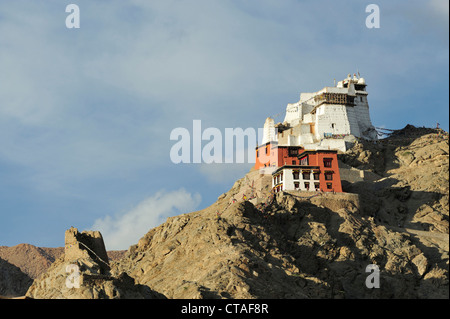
x: 328, y: 169
x: 272, y: 155
x: 299, y: 169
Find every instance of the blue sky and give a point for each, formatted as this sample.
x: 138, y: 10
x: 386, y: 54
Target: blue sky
x: 86, y: 114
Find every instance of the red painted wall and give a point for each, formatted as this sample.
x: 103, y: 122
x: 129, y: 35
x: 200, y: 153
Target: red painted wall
x: 279, y: 156
x: 317, y: 159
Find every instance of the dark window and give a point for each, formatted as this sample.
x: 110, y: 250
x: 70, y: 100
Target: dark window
x: 306, y: 175
x: 293, y: 152
x: 267, y: 150
x: 329, y: 186
x: 294, y: 162
x: 328, y: 176
x: 295, y: 174
x: 351, y: 100
x: 316, y: 176
x: 327, y: 162
x: 307, y: 185
x: 296, y: 185
x: 317, y: 186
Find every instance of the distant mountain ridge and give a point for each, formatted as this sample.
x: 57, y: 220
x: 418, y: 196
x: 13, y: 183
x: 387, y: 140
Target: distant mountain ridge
x: 30, y: 259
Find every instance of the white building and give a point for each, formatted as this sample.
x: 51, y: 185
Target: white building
x: 294, y: 178
x: 326, y: 119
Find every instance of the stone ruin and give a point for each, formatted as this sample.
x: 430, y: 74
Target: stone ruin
x: 87, y: 250
x: 88, y: 244
x: 84, y: 272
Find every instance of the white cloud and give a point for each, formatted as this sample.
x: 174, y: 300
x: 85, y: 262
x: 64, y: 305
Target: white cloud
x: 123, y: 230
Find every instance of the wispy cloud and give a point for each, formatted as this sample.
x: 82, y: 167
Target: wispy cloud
x: 122, y: 230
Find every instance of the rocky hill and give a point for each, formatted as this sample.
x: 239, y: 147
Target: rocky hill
x: 298, y: 245
x: 253, y: 244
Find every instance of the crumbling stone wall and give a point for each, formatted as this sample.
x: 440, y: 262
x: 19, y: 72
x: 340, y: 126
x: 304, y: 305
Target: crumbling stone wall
x: 85, y: 245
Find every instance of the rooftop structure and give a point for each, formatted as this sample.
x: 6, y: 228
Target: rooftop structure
x: 326, y: 119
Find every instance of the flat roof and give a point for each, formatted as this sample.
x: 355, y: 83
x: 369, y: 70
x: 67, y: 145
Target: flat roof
x: 275, y: 145
x: 295, y: 167
x: 316, y: 151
